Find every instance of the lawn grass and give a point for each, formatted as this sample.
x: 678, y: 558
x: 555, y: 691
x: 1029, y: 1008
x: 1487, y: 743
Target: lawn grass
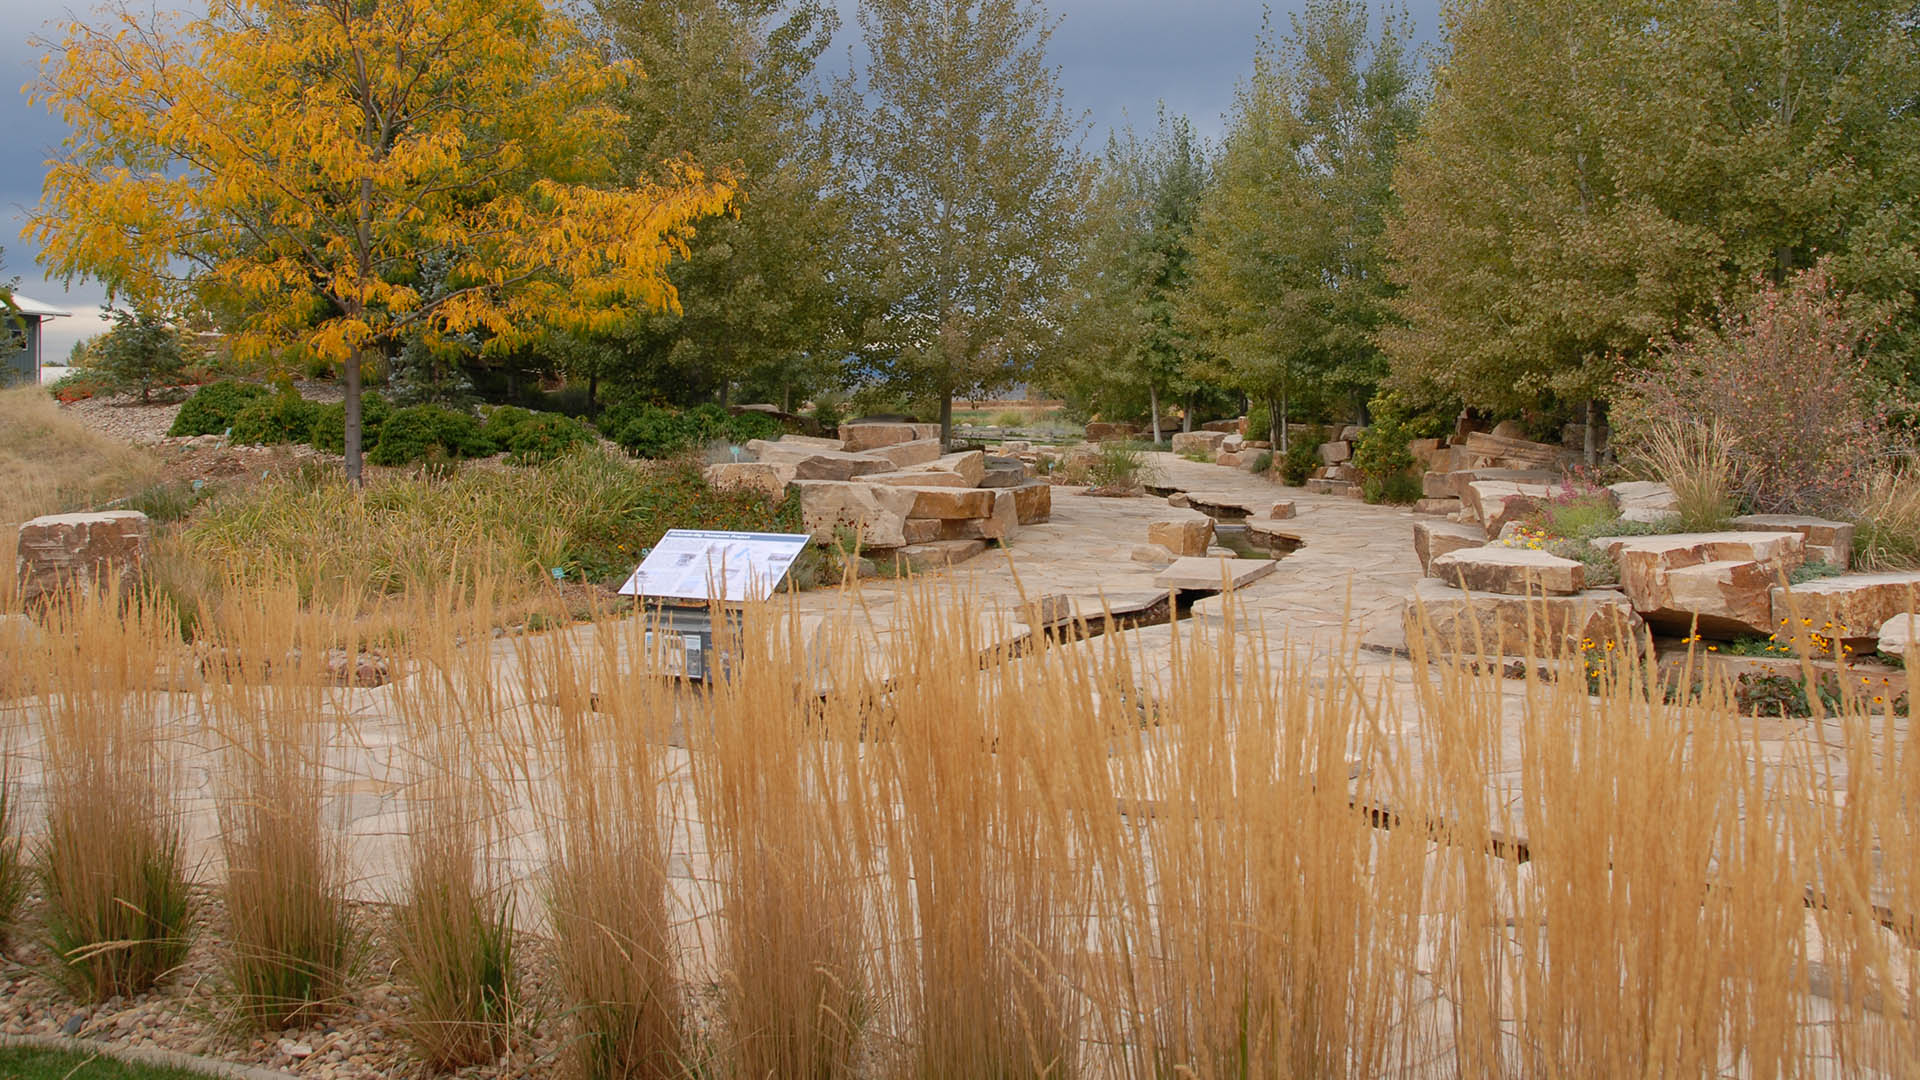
x: 23, y: 1063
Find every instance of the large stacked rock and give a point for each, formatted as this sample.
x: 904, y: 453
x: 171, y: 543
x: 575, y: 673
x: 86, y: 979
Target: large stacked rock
x: 1101, y: 431
x: 1449, y: 619
x: 1830, y: 542
x: 1198, y: 442
x: 88, y: 553
x: 1851, y: 608
x: 1718, y: 583
x: 897, y: 494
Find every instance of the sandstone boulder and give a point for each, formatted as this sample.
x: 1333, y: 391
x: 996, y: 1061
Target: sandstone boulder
x: 1280, y: 511
x: 1225, y: 427
x: 86, y: 552
x: 1720, y: 582
x: 1179, y: 501
x: 1233, y: 443
x: 1830, y: 542
x: 921, y: 478
x: 1486, y: 500
x: 1197, y: 442
x: 1333, y: 453
x: 921, y: 558
x: 766, y: 477
x: 814, y: 463
x: 968, y: 464
x: 870, y: 436
x: 1003, y: 475
x: 1437, y: 507
x: 1231, y: 459
x: 1033, y: 502
x: 1152, y: 555
x: 1852, y: 607
x: 1645, y: 501
x: 944, y: 503
x: 1509, y: 571
x: 830, y: 505
x: 905, y: 455
x: 814, y: 441
x: 1183, y: 535
x: 1210, y: 574
x: 1432, y: 539
x: 1896, y: 634
x: 1102, y: 431
x: 1448, y: 619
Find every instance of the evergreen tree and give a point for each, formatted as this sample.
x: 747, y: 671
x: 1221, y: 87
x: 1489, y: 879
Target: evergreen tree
x: 967, y: 185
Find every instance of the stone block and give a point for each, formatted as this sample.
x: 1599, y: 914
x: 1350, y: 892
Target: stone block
x: 1856, y: 605
x: 1151, y: 554
x: 905, y: 455
x: 814, y: 441
x: 1211, y: 574
x: 829, y: 505
x: 871, y: 436
x: 1728, y: 593
x: 1509, y: 571
x: 1498, y: 624
x: 1280, y: 511
x: 969, y: 464
x: 1233, y: 443
x: 923, y: 530
x: 1437, y: 507
x: 766, y: 477
x: 1179, y: 501
x: 1486, y: 500
x: 947, y: 504
x: 1225, y: 427
x: 1183, y: 535
x: 1645, y: 501
x: 1895, y: 636
x: 1046, y: 610
x: 1197, y: 442
x: 1830, y: 542
x: 1333, y: 453
x: 1231, y: 459
x: 1435, y: 538
x: 1101, y: 431
x: 1004, y: 476
x: 1224, y: 505
x: 87, y: 552
x: 923, y: 478
x: 922, y: 558
x: 1033, y: 502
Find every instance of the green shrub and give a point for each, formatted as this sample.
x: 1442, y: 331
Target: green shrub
x: 1395, y: 488
x: 1259, y: 424
x: 650, y: 431
x: 329, y: 431
x: 1262, y: 462
x: 283, y: 417
x: 212, y: 408
x: 749, y: 426
x: 1301, y: 458
x: 530, y: 437
x: 416, y: 432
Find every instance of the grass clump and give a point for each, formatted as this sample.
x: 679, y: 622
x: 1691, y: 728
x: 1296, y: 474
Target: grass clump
x: 51, y: 463
x: 293, y: 944
x: 587, y: 513
x: 1695, y: 461
x: 1886, y: 517
x: 110, y: 864
x: 213, y: 408
x: 1119, y: 467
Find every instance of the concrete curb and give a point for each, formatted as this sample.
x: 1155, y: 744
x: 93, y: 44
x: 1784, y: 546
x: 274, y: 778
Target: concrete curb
x: 140, y: 1055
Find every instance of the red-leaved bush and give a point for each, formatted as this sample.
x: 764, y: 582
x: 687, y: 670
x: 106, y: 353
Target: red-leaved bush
x: 1783, y: 374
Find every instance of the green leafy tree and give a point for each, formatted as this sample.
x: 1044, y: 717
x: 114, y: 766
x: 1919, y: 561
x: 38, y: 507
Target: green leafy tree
x: 140, y: 353
x: 1592, y: 175
x: 1289, y: 285
x: 1122, y: 341
x: 966, y: 184
x: 730, y: 83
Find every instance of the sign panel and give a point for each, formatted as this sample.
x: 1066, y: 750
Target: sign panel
x: 695, y: 564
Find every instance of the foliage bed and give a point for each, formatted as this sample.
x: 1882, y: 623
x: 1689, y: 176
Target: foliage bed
x: 650, y: 431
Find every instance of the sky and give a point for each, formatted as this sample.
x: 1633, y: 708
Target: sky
x: 1118, y: 59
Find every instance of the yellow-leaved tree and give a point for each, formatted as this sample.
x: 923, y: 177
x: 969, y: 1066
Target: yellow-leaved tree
x: 339, y: 174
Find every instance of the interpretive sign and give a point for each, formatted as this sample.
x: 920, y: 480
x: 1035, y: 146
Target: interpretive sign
x: 696, y: 564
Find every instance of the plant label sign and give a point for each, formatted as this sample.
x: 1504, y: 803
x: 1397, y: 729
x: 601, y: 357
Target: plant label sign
x: 697, y: 564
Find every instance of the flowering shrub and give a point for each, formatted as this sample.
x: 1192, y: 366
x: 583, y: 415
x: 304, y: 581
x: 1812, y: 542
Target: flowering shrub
x: 1784, y: 377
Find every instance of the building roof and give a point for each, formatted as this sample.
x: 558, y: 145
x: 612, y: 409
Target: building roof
x: 27, y: 305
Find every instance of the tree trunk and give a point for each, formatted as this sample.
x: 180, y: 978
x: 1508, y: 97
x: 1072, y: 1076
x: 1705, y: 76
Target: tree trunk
x: 1153, y: 407
x: 946, y: 417
x: 1186, y: 421
x: 1282, y: 419
x: 1591, y: 447
x: 353, y: 417
x: 593, y: 397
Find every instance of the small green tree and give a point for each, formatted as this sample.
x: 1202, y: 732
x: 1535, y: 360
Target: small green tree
x: 141, y: 353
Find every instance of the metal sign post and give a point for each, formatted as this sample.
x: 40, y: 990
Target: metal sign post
x: 690, y: 569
